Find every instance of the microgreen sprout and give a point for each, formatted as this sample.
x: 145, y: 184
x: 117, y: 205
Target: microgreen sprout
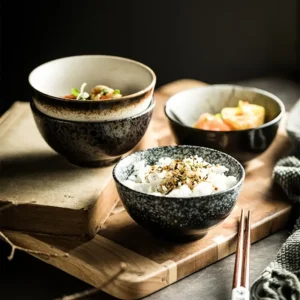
x: 82, y: 94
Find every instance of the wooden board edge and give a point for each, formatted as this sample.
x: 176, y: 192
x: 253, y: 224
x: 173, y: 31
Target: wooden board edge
x: 127, y: 285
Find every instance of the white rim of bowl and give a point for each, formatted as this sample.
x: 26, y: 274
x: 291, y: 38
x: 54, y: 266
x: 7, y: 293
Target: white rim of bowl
x: 152, y: 84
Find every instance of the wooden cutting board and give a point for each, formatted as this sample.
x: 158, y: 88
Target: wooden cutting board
x: 40, y: 191
x: 153, y: 264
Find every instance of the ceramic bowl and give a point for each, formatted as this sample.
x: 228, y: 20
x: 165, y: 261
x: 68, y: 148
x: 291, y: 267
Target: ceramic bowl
x: 93, y: 144
x: 184, y: 108
x: 178, y: 219
x: 52, y: 80
x: 292, y: 127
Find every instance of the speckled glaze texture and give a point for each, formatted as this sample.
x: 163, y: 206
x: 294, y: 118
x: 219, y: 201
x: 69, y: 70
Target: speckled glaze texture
x: 92, y: 144
x: 179, y: 219
x: 244, y: 145
x: 74, y: 110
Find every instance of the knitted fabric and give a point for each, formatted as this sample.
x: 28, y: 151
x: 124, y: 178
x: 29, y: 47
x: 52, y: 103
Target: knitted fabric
x: 280, y: 280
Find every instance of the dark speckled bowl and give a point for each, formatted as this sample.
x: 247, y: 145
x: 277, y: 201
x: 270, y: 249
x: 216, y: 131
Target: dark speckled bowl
x: 179, y: 219
x: 184, y: 108
x: 93, y: 144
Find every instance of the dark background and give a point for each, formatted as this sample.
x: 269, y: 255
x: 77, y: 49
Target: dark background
x: 213, y: 41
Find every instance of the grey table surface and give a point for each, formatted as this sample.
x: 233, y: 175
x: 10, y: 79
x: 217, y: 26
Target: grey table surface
x: 26, y: 277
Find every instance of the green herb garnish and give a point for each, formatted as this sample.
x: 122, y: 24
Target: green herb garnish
x: 117, y: 92
x: 75, y: 92
x: 105, y: 91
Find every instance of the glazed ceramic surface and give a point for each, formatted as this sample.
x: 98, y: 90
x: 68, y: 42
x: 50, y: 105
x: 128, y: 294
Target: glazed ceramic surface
x: 179, y: 219
x: 54, y: 79
x: 93, y: 144
x: 184, y: 108
x: 293, y: 128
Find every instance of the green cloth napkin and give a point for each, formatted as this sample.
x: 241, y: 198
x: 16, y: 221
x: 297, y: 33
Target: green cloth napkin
x: 280, y: 280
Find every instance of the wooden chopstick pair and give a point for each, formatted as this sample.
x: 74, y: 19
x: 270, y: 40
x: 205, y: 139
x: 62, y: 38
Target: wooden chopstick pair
x: 240, y: 286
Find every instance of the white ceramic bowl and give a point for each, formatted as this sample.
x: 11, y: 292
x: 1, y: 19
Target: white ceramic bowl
x: 54, y: 79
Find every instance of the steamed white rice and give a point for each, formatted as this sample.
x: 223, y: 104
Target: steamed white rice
x: 179, y: 178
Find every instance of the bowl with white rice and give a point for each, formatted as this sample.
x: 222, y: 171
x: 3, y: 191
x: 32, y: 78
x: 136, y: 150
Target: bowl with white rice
x: 179, y: 192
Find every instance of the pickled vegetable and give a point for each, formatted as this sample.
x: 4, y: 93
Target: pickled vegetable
x: 244, y: 116
x: 212, y: 122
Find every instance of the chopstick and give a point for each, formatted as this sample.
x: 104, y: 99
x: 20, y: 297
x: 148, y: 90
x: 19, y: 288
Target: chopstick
x: 246, y: 262
x: 240, y: 285
x: 237, y: 276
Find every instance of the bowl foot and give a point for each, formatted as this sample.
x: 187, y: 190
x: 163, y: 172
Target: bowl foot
x: 94, y: 164
x: 178, y: 237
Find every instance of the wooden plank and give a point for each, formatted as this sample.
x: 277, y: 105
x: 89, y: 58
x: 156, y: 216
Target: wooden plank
x: 97, y: 260
x: 165, y: 262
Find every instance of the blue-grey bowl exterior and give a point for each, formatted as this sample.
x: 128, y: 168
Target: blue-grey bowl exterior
x: 180, y: 218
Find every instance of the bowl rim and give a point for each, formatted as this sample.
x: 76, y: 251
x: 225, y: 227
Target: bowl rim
x: 147, y: 110
x: 149, y: 87
x: 253, y: 89
x: 240, y: 182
